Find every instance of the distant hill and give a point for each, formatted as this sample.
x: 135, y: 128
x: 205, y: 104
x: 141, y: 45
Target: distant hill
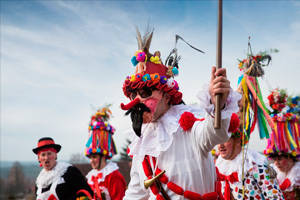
x: 30, y: 168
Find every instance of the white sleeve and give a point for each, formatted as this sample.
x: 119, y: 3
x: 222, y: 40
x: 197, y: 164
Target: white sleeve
x: 205, y: 135
x: 135, y: 189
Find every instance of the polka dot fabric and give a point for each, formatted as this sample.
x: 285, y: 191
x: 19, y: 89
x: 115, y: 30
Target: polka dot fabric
x: 259, y: 184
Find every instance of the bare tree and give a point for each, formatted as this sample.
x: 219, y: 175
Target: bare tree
x: 16, y: 183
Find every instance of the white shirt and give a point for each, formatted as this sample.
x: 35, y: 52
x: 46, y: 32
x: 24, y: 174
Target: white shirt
x: 185, y: 155
x: 293, y: 175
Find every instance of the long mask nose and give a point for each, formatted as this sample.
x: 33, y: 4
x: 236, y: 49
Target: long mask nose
x: 130, y: 104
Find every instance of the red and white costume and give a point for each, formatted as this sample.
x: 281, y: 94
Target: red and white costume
x: 259, y: 183
x: 290, y: 181
x: 184, y: 155
x: 108, y: 181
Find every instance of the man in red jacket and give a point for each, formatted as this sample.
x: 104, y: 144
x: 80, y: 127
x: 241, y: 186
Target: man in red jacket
x: 105, y: 178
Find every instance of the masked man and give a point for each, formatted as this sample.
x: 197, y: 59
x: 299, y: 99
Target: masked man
x: 105, y: 178
x: 169, y: 140
x: 58, y: 180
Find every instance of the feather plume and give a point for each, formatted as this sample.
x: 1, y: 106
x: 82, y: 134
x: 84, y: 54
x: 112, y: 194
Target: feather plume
x: 139, y: 38
x: 145, y: 42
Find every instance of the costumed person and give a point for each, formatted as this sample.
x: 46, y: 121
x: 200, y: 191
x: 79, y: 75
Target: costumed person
x: 105, y: 179
x: 172, y: 141
x: 58, y: 180
x: 244, y: 175
x: 284, y: 144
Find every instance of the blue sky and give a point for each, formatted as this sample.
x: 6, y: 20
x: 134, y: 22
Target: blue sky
x: 61, y: 59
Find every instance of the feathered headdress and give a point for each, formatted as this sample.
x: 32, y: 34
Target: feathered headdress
x: 100, y: 139
x: 150, y: 72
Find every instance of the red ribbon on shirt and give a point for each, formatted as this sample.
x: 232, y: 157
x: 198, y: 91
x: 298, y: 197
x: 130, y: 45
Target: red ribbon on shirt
x: 230, y: 178
x: 96, y: 185
x: 52, y: 197
x: 285, y: 184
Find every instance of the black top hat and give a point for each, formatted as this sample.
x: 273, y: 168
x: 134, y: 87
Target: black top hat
x: 46, y: 142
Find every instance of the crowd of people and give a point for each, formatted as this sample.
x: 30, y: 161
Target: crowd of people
x: 171, y: 142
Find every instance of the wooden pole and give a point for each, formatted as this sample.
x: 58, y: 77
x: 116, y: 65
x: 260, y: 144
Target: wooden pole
x: 217, y: 124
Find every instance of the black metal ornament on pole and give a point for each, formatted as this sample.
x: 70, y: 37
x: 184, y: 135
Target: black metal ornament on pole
x: 217, y: 124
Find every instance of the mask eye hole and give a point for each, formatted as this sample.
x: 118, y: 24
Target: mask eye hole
x: 133, y: 94
x: 146, y: 92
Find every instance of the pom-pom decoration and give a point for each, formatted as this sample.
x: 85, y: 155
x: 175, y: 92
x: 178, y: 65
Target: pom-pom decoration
x: 132, y: 78
x: 234, y: 123
x: 187, y: 120
x: 293, y: 104
x: 134, y: 61
x: 163, y: 79
x: 100, y: 139
x: 285, y: 137
x: 155, y: 77
x: 138, y: 77
x: 146, y: 77
x: 155, y: 59
x: 141, y: 57
x: 175, y: 71
x: 152, y: 72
